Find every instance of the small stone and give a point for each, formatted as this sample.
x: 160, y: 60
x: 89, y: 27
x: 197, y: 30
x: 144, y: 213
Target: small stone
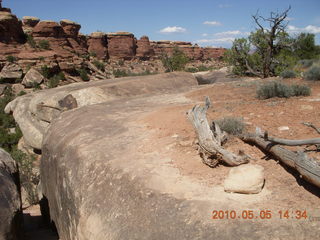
x: 247, y: 179
x: 283, y: 128
x: 32, y: 78
x: 306, y: 107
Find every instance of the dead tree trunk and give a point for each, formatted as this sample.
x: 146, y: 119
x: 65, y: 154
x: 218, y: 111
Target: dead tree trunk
x: 210, y: 141
x: 308, y: 168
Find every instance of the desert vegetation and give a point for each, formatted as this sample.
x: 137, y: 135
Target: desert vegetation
x: 271, y: 51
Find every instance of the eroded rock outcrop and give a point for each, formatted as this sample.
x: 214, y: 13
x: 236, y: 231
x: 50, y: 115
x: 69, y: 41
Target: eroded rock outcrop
x: 97, y: 45
x: 144, y: 48
x: 10, y: 28
x: 29, y: 23
x: 11, y: 72
x: 121, y: 45
x: 10, y: 200
x: 35, y: 111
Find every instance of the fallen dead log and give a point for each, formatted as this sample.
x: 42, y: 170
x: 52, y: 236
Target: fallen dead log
x: 210, y: 139
x: 287, y: 142
x: 308, y: 168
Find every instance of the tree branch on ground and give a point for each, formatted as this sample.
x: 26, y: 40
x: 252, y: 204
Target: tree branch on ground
x: 211, y: 139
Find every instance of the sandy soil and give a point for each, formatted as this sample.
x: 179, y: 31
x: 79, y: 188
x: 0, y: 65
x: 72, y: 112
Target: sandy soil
x: 174, y: 136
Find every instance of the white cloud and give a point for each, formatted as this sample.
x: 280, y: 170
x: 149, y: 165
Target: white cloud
x: 231, y: 33
x: 174, y: 29
x: 212, y: 23
x: 308, y: 29
x: 224, y: 5
x: 216, y: 40
x: 205, y: 35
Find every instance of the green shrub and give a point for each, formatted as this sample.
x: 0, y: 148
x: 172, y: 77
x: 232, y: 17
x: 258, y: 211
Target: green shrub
x: 92, y: 54
x: 11, y: 59
x: 300, y: 90
x: 277, y: 89
x: 231, y: 125
x: 44, y: 44
x: 176, y: 62
x: 306, y: 63
x: 55, y: 80
x: 192, y: 69
x: 99, y: 65
x: 83, y: 74
x: 288, y: 74
x: 28, y: 178
x: 120, y: 73
x: 45, y: 71
x: 313, y: 73
x: 31, y: 41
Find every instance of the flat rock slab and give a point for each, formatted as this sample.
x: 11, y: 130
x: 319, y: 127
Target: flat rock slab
x: 247, y: 179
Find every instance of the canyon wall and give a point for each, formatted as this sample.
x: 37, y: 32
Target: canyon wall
x: 65, y: 41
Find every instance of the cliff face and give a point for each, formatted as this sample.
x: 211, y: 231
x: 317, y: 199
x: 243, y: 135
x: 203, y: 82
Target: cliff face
x: 65, y: 41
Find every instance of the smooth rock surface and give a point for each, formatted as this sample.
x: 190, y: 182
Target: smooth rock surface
x: 10, y: 201
x: 34, y: 112
x: 246, y: 178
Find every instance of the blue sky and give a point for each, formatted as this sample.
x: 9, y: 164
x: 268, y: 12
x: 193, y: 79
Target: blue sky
x: 206, y: 22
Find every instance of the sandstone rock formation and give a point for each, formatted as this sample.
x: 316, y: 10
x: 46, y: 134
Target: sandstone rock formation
x: 35, y: 111
x: 121, y: 45
x: 10, y: 29
x: 144, y: 49
x: 29, y: 23
x: 97, y: 45
x: 106, y: 176
x: 247, y: 179
x: 70, y: 28
x: 10, y: 202
x: 11, y: 72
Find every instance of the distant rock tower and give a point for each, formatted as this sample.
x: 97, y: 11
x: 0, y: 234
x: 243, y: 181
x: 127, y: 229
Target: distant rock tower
x: 0, y: 4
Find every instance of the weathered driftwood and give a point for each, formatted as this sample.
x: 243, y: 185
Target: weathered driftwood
x: 210, y: 139
x: 282, y: 141
x: 308, y: 168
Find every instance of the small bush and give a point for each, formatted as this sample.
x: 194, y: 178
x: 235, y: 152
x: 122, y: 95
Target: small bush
x: 231, y: 125
x: 306, y: 63
x: 83, y: 74
x: 176, y: 62
x: 120, y: 73
x: 31, y: 41
x: 92, y: 54
x: 99, y: 65
x: 313, y: 73
x: 277, y: 89
x: 44, y: 44
x: 300, y: 90
x: 11, y: 59
x: 55, y: 80
x: 45, y: 71
x: 288, y: 74
x: 192, y: 69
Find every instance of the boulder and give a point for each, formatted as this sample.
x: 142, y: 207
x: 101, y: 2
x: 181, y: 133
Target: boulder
x: 97, y: 45
x: 34, y: 112
x: 247, y: 179
x: 29, y: 23
x: 10, y: 201
x: 121, y: 45
x: 70, y: 28
x: 17, y: 88
x: 144, y: 49
x: 10, y: 29
x: 33, y: 77
x: 11, y: 72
